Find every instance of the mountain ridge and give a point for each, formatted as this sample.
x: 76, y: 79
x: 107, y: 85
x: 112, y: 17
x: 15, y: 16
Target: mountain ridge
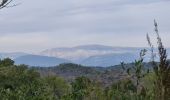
x: 36, y: 60
x: 92, y: 55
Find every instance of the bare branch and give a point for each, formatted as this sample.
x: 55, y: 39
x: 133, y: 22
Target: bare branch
x: 5, y: 3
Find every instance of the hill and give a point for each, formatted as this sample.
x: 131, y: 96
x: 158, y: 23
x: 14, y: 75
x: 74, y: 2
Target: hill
x: 94, y: 55
x: 70, y: 71
x: 109, y: 59
x: 36, y: 60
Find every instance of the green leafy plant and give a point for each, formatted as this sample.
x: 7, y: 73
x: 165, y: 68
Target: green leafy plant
x: 161, y: 69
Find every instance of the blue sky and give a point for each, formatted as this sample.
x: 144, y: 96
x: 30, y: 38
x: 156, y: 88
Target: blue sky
x: 35, y: 25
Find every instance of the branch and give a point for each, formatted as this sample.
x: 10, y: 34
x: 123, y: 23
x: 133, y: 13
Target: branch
x: 5, y: 3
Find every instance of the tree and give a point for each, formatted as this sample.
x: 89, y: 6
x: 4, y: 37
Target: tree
x: 21, y: 83
x: 81, y: 89
x: 58, y: 86
x: 6, y: 62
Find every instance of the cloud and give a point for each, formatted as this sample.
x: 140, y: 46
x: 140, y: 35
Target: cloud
x: 74, y: 22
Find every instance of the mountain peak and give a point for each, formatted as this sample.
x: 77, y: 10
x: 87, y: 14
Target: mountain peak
x: 93, y: 47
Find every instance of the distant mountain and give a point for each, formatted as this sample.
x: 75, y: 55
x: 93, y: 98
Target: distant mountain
x: 109, y: 59
x: 35, y: 60
x: 12, y: 55
x: 87, y: 55
x: 80, y: 53
x: 94, y: 47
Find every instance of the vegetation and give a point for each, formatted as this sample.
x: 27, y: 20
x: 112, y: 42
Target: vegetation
x: 74, y: 82
x: 161, y: 70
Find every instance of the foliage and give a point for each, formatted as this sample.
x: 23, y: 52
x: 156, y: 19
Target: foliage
x: 161, y: 70
x: 81, y: 88
x: 6, y: 62
x: 58, y: 86
x: 20, y: 82
x: 139, y: 71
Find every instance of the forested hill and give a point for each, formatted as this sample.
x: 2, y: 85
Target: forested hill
x: 70, y: 71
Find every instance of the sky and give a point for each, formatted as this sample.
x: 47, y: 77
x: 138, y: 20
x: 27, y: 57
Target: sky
x: 36, y: 25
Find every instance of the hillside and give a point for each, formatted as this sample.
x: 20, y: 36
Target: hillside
x: 36, y: 60
x: 69, y: 72
x: 87, y: 55
x: 109, y: 59
x: 94, y: 55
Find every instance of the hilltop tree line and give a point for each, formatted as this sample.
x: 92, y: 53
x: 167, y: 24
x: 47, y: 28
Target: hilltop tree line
x: 18, y: 82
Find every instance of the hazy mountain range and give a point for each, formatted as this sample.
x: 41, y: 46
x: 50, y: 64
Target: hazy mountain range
x: 36, y: 60
x: 88, y: 55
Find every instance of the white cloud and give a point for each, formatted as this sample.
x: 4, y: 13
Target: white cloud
x: 76, y: 22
